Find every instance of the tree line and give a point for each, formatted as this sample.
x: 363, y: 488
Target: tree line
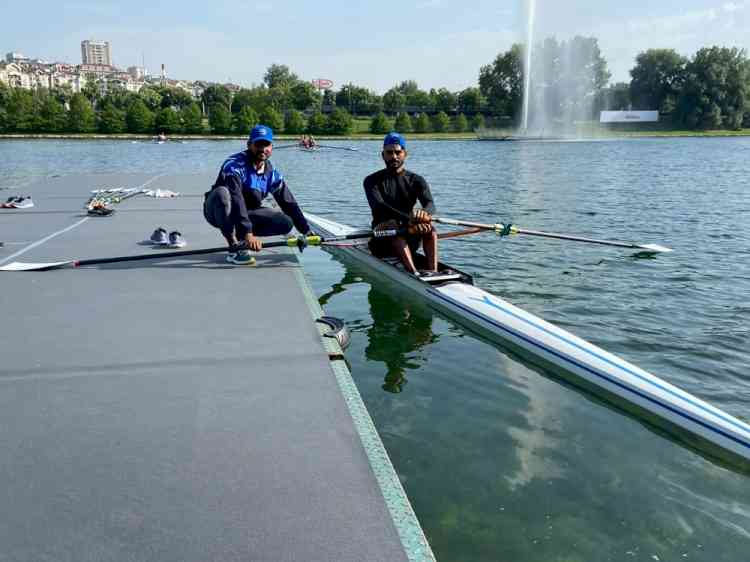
x: 711, y: 89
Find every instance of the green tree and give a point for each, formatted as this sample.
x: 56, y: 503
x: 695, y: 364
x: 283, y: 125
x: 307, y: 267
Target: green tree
x: 294, y: 122
x: 394, y: 101
x: 215, y: 95
x: 421, y: 123
x: 51, y: 116
x: 167, y: 120
x: 716, y: 93
x: 279, y: 75
x: 245, y: 120
x: 4, y: 94
x: 303, y: 96
x: 273, y: 118
x: 357, y: 100
x: 414, y: 98
x: 421, y: 101
x: 470, y: 101
x: 110, y: 119
x: 615, y: 97
x: 501, y: 82
x: 440, y: 122
x: 192, y: 119
x: 92, y: 88
x: 380, y: 124
x: 329, y: 99
x: 63, y: 93
x: 118, y: 97
x: 403, y: 123
x: 19, y: 111
x: 477, y: 122
x: 339, y: 122
x: 175, y: 97
x: 408, y: 88
x: 81, y: 117
x: 444, y: 100
x: 317, y: 123
x: 220, y: 119
x: 138, y: 117
x: 241, y: 99
x: 150, y: 97
x: 258, y: 98
x: 279, y: 98
x: 656, y: 79
x: 460, y: 123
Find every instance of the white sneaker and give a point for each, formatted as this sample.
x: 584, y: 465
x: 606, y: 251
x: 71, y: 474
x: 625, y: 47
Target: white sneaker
x: 23, y: 203
x: 159, y: 237
x: 176, y: 240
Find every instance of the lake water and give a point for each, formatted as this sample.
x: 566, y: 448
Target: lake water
x: 501, y: 460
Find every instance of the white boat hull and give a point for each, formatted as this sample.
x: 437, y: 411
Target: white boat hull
x: 545, y: 343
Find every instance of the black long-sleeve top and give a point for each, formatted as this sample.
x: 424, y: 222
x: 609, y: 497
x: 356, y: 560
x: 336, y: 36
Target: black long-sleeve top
x: 393, y: 196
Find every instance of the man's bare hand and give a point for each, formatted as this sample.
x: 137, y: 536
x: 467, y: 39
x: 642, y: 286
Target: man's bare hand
x: 253, y: 243
x: 420, y: 228
x: 420, y: 216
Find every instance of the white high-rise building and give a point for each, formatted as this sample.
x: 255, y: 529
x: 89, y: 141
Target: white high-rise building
x: 96, y: 52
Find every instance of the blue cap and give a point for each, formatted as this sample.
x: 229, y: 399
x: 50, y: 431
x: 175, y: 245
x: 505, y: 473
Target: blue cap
x: 394, y: 138
x: 261, y: 133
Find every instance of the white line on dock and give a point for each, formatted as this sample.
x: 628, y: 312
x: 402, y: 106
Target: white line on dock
x: 63, y: 231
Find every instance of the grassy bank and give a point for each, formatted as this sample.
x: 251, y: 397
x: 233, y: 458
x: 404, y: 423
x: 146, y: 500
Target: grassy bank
x: 279, y: 137
x: 583, y: 133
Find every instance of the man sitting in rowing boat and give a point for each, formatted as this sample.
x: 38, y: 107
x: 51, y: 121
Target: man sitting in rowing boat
x: 234, y: 204
x: 392, y: 194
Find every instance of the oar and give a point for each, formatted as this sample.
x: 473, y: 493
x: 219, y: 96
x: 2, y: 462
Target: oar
x: 511, y: 229
x: 299, y: 243
x: 441, y: 235
x: 316, y: 146
x: 337, y: 147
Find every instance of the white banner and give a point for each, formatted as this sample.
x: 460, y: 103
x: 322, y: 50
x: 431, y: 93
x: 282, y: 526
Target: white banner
x: 629, y: 116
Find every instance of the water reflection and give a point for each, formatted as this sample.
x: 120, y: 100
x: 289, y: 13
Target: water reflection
x: 398, y: 334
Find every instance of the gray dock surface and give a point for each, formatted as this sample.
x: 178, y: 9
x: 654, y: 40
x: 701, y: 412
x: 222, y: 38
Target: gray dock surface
x: 180, y: 409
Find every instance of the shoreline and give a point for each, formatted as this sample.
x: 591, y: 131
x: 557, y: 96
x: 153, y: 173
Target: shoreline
x: 182, y: 137
x: 369, y: 136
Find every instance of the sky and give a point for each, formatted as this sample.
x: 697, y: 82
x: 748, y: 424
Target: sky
x: 437, y: 43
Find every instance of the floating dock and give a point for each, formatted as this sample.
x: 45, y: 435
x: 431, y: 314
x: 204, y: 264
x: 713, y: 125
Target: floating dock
x: 183, y: 409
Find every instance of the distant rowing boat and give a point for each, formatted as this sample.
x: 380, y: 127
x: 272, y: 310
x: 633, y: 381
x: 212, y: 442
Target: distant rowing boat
x: 453, y: 293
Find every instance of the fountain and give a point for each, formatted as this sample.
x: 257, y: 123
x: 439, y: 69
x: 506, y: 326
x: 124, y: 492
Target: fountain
x: 560, y: 82
x: 531, y: 8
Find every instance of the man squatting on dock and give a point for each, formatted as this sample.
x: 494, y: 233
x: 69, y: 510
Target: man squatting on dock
x: 234, y: 203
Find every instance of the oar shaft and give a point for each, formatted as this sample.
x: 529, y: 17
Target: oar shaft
x: 455, y: 222
x: 291, y: 242
x: 574, y: 238
x: 499, y: 227
x: 151, y: 256
x: 337, y: 147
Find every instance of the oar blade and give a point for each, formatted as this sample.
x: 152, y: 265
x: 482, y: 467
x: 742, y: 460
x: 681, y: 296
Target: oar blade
x: 656, y: 248
x: 24, y: 266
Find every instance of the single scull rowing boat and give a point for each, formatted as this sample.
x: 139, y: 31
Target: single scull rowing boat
x: 453, y: 293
